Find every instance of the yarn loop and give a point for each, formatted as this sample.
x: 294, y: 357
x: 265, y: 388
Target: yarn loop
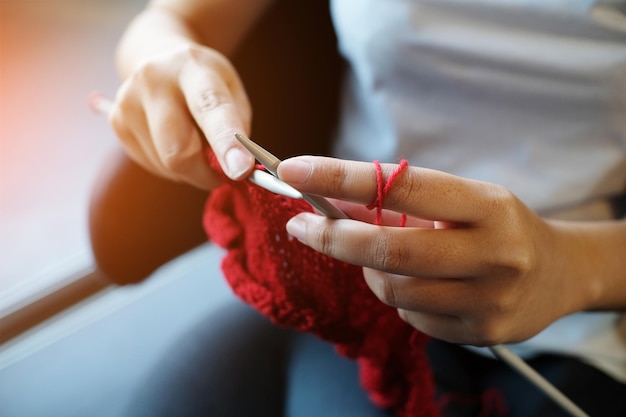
x: 300, y: 288
x: 382, y: 189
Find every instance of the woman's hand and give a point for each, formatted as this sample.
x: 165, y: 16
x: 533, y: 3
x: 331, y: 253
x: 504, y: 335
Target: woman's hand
x: 174, y: 105
x: 486, y: 271
x: 180, y: 95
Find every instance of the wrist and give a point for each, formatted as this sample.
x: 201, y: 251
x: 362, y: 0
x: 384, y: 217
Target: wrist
x: 592, y: 263
x: 152, y: 33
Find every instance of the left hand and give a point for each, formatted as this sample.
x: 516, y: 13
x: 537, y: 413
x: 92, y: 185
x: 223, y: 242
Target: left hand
x: 485, y: 270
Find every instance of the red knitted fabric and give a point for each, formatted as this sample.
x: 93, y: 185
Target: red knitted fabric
x: 300, y: 288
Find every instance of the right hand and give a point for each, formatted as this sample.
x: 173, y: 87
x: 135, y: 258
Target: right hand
x: 171, y: 107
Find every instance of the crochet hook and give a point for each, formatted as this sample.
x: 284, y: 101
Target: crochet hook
x: 271, y: 162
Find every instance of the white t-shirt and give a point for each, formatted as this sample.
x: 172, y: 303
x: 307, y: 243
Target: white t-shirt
x: 527, y: 94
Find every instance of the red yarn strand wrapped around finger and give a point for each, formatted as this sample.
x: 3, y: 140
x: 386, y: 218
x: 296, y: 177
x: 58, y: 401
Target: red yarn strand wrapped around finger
x: 382, y: 189
x: 300, y: 288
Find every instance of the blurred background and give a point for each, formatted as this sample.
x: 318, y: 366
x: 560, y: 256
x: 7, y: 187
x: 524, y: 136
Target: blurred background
x: 71, y: 343
x: 88, y: 357
x: 53, y: 54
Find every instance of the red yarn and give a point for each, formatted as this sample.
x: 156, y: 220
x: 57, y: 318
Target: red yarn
x: 382, y: 189
x: 298, y: 287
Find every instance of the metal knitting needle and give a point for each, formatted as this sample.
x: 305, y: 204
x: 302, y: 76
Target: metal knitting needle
x: 507, y: 356
x: 273, y: 184
x: 101, y: 104
x: 271, y: 162
x: 501, y: 352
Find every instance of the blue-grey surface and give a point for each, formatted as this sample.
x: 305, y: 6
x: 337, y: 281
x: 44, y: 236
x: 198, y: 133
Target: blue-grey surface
x: 53, y: 54
x: 90, y: 361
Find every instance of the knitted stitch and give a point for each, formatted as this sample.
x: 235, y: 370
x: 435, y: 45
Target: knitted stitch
x: 300, y: 288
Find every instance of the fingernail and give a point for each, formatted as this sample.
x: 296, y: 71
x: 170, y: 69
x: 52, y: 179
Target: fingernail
x: 237, y: 163
x: 296, y: 227
x: 295, y: 170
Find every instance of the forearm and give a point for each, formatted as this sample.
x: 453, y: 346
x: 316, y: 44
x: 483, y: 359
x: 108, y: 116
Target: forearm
x: 151, y: 33
x: 594, y: 259
x: 166, y: 26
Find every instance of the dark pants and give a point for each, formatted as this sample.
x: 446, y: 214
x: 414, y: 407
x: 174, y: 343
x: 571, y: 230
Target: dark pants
x: 238, y: 364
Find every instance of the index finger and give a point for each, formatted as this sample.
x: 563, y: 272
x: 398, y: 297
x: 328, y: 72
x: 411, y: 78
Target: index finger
x: 419, y: 192
x: 218, y: 114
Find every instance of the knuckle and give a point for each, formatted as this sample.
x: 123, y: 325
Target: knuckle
x: 210, y: 99
x: 383, y: 287
x: 513, y: 258
x: 210, y: 66
x: 193, y: 52
x: 179, y: 157
x: 173, y: 159
x: 504, y: 304
x: 409, y: 191
x: 388, y: 294
x: 147, y: 73
x: 201, y: 55
x: 335, y: 179
x: 513, y: 253
x: 487, y: 333
x: 390, y: 257
x: 519, y: 263
x: 499, y: 202
x: 325, y: 240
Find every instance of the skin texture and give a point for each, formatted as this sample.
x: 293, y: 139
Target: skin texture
x: 180, y: 95
x: 475, y: 265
